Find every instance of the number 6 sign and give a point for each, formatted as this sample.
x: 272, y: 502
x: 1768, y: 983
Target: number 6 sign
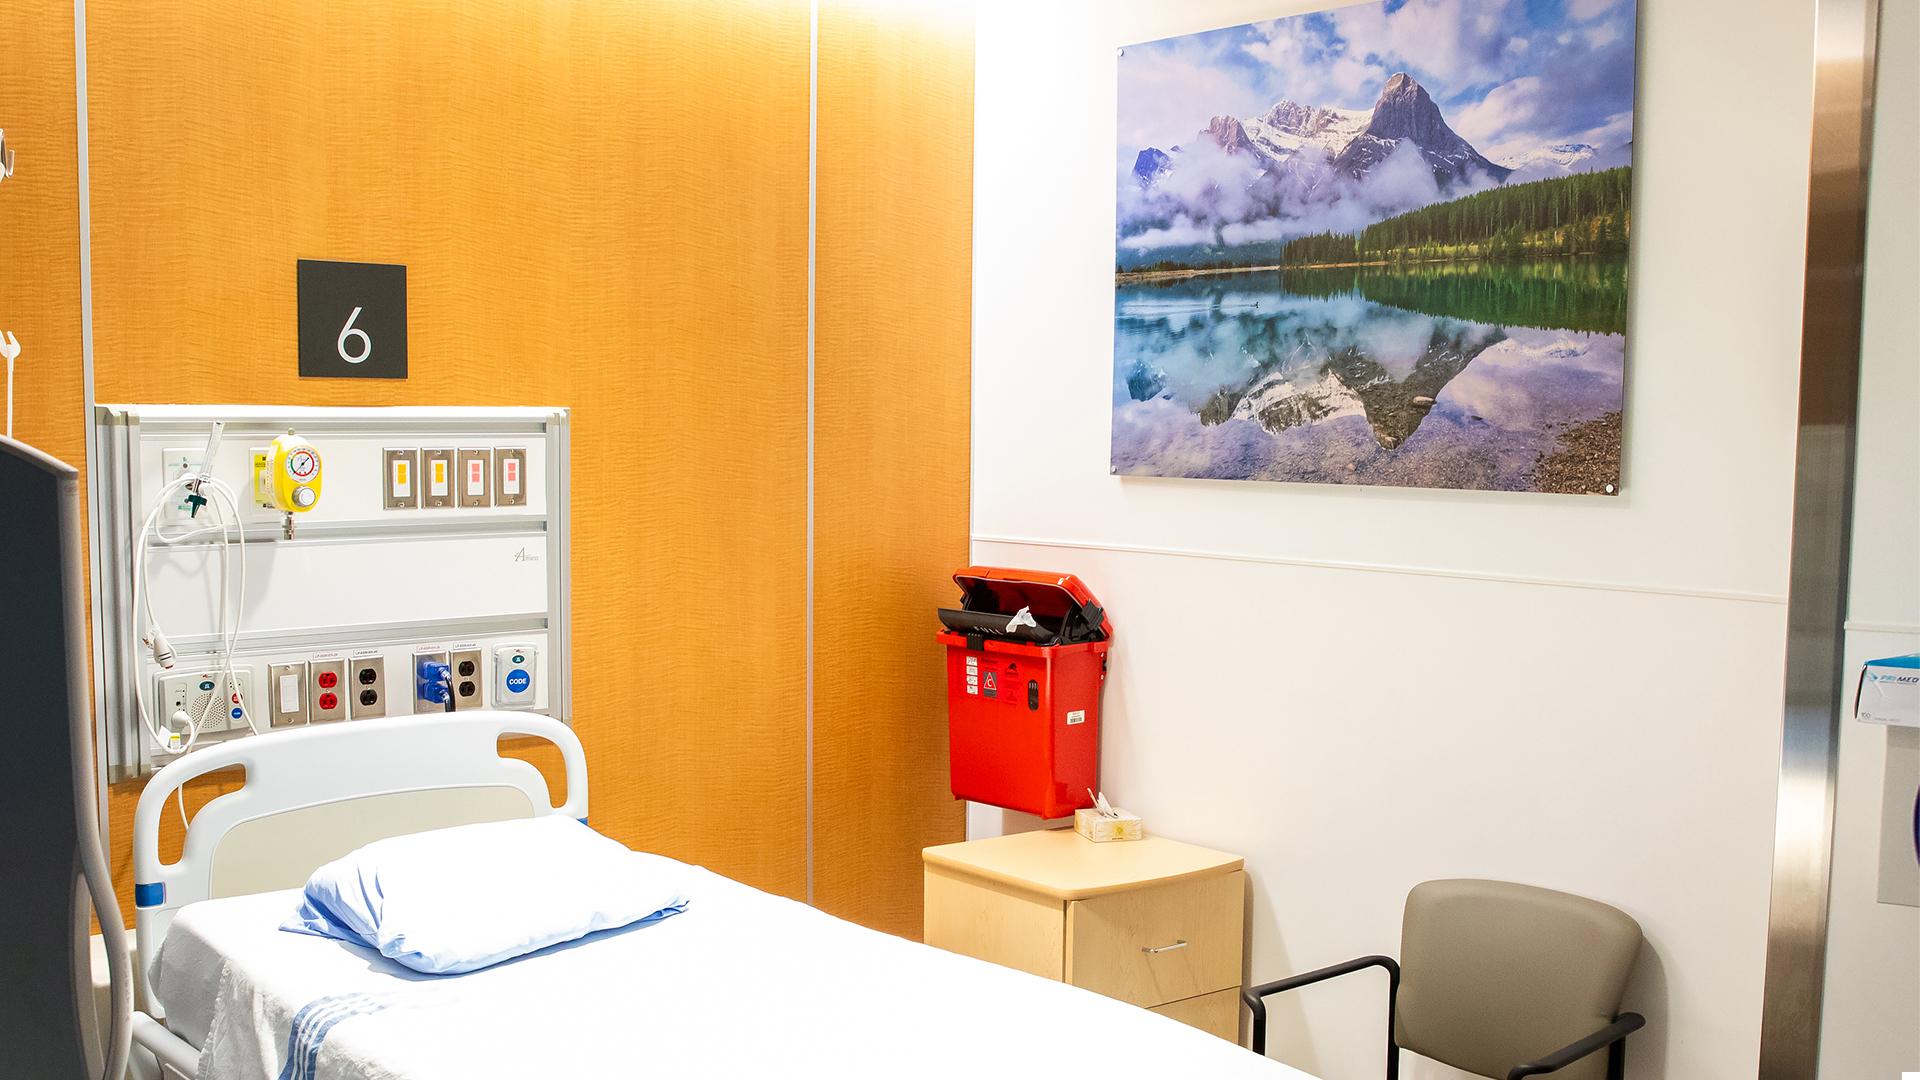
x: 366, y: 343
x: 353, y: 320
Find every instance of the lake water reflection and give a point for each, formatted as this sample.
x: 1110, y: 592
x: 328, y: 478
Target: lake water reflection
x: 1505, y: 377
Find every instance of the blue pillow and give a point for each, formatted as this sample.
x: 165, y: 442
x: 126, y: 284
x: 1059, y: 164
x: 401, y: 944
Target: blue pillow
x: 460, y: 899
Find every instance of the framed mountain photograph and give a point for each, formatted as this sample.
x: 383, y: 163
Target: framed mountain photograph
x: 1382, y: 244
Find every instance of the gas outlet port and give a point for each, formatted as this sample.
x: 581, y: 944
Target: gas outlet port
x: 369, y: 676
x: 472, y: 469
x: 431, y: 679
x: 436, y: 479
x: 400, y: 479
x: 173, y: 463
x: 509, y: 476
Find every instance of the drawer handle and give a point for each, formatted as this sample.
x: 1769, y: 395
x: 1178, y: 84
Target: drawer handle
x: 1180, y: 943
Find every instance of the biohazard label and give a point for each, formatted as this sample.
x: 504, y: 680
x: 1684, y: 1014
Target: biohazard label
x: 995, y: 678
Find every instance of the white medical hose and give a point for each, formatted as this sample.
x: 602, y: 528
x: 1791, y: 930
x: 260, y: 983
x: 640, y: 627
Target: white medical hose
x: 231, y: 523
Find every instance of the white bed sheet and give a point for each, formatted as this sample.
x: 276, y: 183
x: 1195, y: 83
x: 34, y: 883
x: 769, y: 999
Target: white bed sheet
x: 743, y: 984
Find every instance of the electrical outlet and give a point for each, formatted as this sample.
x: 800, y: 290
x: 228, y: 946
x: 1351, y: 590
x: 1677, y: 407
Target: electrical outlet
x: 287, y: 694
x: 367, y: 686
x: 424, y: 687
x: 173, y: 462
x: 509, y: 476
x: 327, y: 692
x: 473, y: 468
x: 468, y: 679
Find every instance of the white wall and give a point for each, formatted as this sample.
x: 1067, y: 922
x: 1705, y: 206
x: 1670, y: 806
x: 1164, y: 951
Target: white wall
x: 1871, y: 1023
x: 1360, y: 689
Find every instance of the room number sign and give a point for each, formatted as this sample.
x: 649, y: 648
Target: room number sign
x: 353, y: 320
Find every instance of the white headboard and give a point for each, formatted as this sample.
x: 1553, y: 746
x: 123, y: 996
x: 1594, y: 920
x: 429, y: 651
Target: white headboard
x: 313, y: 794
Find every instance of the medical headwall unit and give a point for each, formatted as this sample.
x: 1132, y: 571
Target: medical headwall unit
x: 434, y: 554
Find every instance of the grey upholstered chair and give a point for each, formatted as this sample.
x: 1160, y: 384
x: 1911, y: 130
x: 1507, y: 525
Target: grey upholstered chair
x: 1500, y: 979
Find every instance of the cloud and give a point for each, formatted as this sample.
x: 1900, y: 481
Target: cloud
x: 1451, y: 41
x: 1584, y: 95
x: 1582, y: 10
x: 1314, y: 67
x: 1169, y: 92
x: 1615, y: 130
x: 1510, y: 107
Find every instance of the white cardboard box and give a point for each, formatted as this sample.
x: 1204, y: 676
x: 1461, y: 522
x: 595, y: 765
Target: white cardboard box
x: 1889, y: 691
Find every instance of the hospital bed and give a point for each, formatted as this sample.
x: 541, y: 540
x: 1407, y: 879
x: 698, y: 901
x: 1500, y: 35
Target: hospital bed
x: 741, y: 984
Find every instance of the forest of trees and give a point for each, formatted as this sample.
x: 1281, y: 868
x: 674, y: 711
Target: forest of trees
x: 1322, y: 248
x: 1581, y: 214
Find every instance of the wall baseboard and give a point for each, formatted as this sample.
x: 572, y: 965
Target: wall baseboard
x: 1390, y: 568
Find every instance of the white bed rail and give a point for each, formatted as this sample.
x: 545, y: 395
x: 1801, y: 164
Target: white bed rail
x: 420, y: 772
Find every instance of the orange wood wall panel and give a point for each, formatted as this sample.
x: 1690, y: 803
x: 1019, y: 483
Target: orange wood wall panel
x: 40, y: 226
x: 892, y: 332
x: 600, y: 205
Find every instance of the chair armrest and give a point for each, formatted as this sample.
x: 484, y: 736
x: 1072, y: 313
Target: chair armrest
x: 1255, y: 996
x: 1623, y: 1025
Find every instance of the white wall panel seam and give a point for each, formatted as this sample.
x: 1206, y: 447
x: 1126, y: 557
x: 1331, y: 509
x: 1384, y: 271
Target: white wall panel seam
x: 1387, y: 568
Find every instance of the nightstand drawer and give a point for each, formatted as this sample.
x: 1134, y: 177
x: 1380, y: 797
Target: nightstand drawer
x: 1217, y: 1013
x: 1159, y: 945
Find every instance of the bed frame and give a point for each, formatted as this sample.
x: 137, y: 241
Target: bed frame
x: 313, y: 794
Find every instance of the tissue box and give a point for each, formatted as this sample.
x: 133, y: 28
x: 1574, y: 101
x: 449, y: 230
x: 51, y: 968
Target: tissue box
x: 1889, y: 691
x: 1100, y: 828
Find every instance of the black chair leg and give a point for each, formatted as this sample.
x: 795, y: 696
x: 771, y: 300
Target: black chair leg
x: 1393, y: 1048
x: 1617, y: 1060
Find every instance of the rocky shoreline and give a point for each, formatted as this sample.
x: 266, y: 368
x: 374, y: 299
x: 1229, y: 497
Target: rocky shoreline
x: 1586, y: 461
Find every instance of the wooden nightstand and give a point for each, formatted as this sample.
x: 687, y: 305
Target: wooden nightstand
x: 1154, y: 922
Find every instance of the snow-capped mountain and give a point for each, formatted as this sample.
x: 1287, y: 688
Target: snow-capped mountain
x: 1353, y: 141
x: 1297, y: 169
x: 1151, y: 164
x: 1560, y: 156
x: 1405, y: 113
x: 1565, y: 159
x: 1288, y: 128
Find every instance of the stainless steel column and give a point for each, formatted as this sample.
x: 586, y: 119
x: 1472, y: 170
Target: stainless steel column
x: 1844, y: 43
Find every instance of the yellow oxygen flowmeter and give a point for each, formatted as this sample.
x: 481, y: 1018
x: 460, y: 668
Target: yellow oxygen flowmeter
x: 286, y: 475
